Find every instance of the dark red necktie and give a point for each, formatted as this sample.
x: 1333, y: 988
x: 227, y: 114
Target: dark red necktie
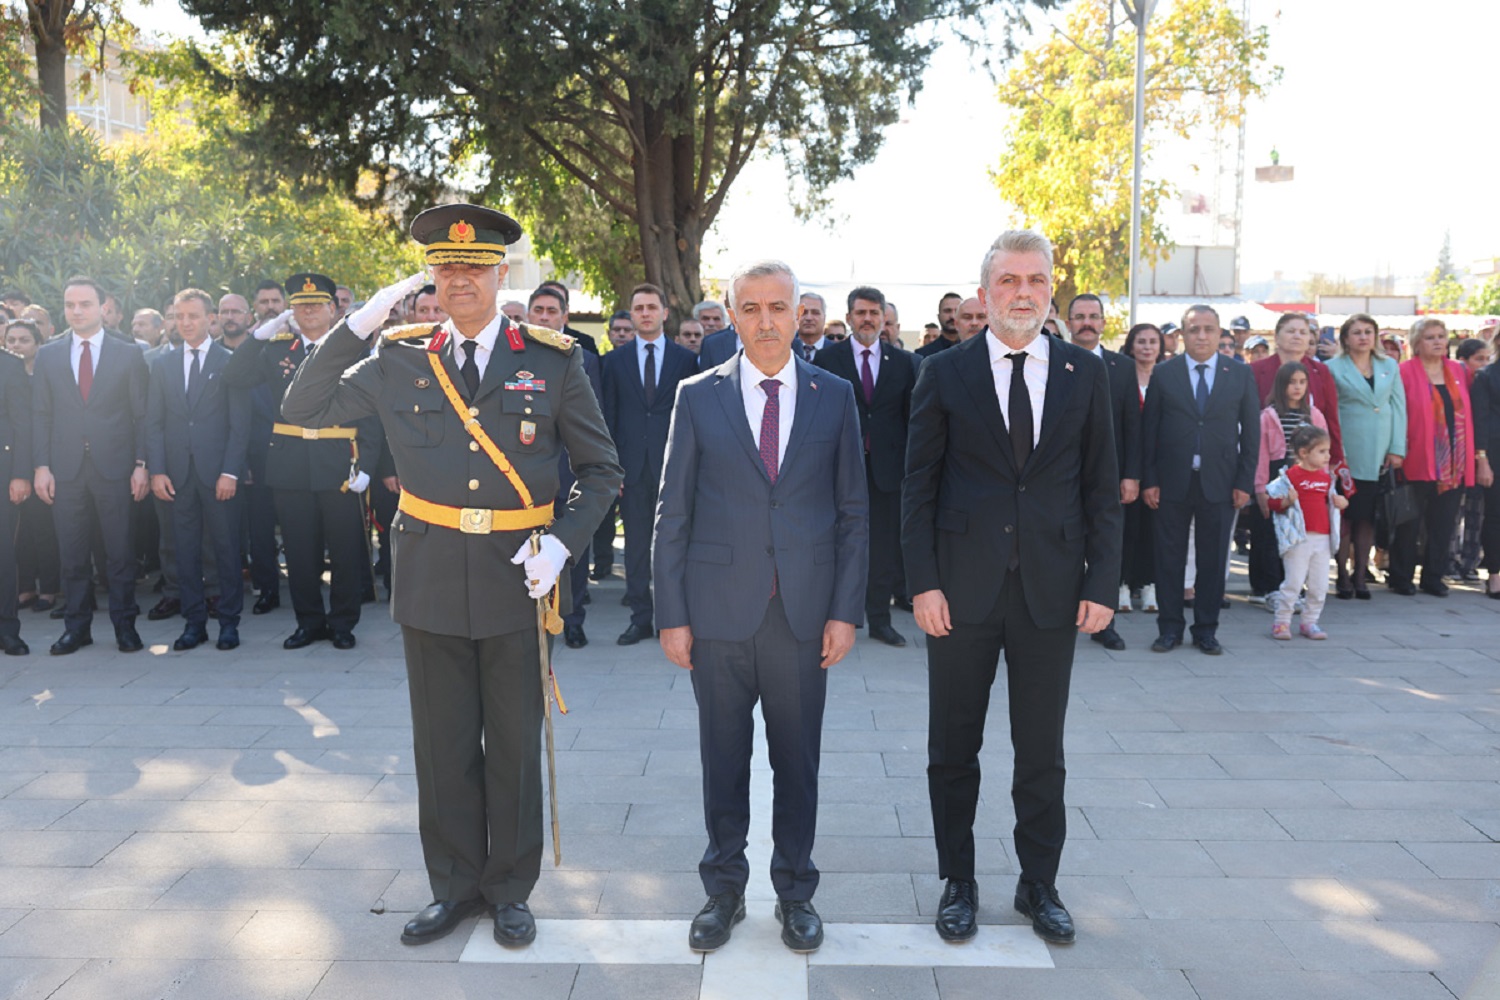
x: 770, y: 429
x: 85, y: 371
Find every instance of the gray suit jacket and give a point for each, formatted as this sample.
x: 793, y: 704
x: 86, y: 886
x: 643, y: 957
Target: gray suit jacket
x: 718, y: 348
x: 724, y: 533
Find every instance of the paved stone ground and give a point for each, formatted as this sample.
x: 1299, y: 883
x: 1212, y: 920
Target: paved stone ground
x: 1311, y: 820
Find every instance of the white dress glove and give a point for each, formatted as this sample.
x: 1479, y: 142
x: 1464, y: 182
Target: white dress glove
x: 372, y: 315
x: 543, y: 568
x: 273, y: 326
x: 359, y: 483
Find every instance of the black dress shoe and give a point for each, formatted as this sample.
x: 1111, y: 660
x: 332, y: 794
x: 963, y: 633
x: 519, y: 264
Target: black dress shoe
x: 1209, y: 645
x: 1437, y: 588
x: 600, y: 575
x: 13, y: 645
x: 229, y: 637
x: 887, y: 635
x: 573, y: 636
x: 305, y: 637
x: 127, y: 639
x: 801, y: 927
x: 59, y: 612
x: 1363, y: 594
x: 192, y: 637
x: 72, y: 642
x: 1404, y: 589
x: 1109, y: 638
x: 515, y: 927
x: 634, y: 634
x: 1166, y: 643
x: 957, y: 909
x: 167, y: 607
x: 438, y: 920
x: 1049, y: 918
x: 713, y: 924
x: 266, y: 602
x: 44, y: 604
x: 343, y: 640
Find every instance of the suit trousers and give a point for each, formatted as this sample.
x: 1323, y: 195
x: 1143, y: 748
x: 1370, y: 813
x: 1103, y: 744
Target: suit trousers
x: 1213, y: 521
x: 258, y: 513
x: 1425, y: 540
x: 787, y: 678
x: 113, y: 508
x: 10, y: 516
x: 476, y: 714
x: 961, y: 669
x: 885, y: 551
x: 604, y: 542
x: 638, y: 516
x: 311, y: 520
x: 1139, y: 562
x: 204, y: 524
x: 36, y: 549
x: 171, y: 581
x: 1264, y: 564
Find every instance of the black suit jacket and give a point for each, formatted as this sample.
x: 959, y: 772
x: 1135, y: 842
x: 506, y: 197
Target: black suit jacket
x: 1125, y: 404
x: 882, y: 421
x: 110, y: 428
x: 718, y: 348
x: 15, y: 420
x: 210, y: 436
x: 639, y: 430
x: 938, y: 345
x: 1230, y: 426
x: 964, y: 505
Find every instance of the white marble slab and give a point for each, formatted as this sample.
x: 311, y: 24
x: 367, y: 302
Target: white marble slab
x: 589, y: 942
x: 755, y: 963
x: 1006, y: 946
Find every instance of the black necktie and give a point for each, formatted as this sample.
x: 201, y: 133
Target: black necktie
x: 649, y: 380
x: 469, y: 370
x: 1200, y: 395
x: 195, y: 378
x: 1020, y: 409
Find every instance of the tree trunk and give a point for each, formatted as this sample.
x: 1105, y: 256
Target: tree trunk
x: 48, y: 21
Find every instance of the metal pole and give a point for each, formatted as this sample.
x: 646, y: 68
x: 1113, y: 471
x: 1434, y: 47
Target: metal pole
x: 1141, y: 13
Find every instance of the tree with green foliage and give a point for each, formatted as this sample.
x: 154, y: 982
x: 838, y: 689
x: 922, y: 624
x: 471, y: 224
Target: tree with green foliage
x: 60, y: 28
x: 594, y: 122
x: 1444, y: 292
x: 1486, y: 298
x: 1066, y: 165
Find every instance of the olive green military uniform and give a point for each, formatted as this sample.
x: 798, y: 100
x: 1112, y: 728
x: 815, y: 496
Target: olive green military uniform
x: 468, y: 626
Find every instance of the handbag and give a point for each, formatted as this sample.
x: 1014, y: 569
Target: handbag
x: 1397, y: 501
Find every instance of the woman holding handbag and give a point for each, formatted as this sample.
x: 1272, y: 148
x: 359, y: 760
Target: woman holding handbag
x: 1372, y: 415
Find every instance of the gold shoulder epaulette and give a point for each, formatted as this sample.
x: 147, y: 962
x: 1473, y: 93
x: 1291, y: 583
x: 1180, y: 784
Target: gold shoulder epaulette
x: 553, y: 339
x: 284, y: 335
x: 411, y: 331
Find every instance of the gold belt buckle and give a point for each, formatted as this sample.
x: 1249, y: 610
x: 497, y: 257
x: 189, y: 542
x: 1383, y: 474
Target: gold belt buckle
x: 475, y: 520
x: 308, y: 433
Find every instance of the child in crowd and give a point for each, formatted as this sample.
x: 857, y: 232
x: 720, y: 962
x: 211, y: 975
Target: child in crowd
x: 1304, y: 509
x: 1287, y: 408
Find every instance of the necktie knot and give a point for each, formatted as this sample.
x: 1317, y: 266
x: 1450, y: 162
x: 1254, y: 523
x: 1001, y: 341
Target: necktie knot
x: 770, y: 386
x: 470, y: 368
x: 1202, y: 368
x: 469, y: 347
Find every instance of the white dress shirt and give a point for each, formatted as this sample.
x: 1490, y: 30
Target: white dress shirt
x: 485, y: 338
x: 1038, y: 357
x: 94, y: 341
x: 755, y: 402
x: 859, y: 364
x: 640, y: 357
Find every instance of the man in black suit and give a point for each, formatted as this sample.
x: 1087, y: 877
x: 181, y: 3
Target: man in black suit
x: 1200, y: 435
x: 882, y: 377
x: 1010, y: 463
x: 1086, y: 325
x: 89, y: 444
x: 947, y: 326
x: 197, y: 432
x: 15, y: 470
x: 253, y: 498
x: 640, y: 388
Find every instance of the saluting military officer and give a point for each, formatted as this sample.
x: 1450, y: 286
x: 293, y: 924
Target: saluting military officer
x: 476, y: 412
x: 316, y: 474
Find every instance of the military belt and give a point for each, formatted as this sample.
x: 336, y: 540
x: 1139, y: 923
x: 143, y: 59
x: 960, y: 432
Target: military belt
x: 474, y: 520
x: 314, y: 433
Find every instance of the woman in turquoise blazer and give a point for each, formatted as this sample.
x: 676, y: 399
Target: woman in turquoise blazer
x: 1372, y: 415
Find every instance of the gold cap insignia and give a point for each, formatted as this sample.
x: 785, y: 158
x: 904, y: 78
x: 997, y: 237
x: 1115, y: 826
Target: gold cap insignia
x: 461, y: 232
x: 308, y: 286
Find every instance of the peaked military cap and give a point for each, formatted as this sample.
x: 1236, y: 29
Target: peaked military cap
x: 465, y: 234
x: 305, y: 286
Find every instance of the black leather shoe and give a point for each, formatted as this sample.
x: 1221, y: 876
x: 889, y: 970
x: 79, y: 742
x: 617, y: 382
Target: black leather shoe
x: 343, y: 640
x: 1404, y: 589
x: 801, y: 927
x: 515, y: 927
x: 600, y: 575
x: 438, y: 920
x: 1049, y: 918
x: 1436, y: 588
x: 887, y: 635
x: 127, y: 639
x: 72, y: 642
x: 305, y: 637
x: 13, y: 645
x: 1166, y: 643
x: 229, y: 637
x: 167, y: 607
x: 192, y: 637
x: 266, y: 602
x: 44, y: 604
x: 1209, y: 645
x: 713, y: 924
x: 1108, y: 638
x: 60, y: 612
x: 957, y: 910
x: 574, y: 638
x: 634, y: 634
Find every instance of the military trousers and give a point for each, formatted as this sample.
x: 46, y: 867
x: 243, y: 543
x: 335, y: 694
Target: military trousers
x: 310, y: 521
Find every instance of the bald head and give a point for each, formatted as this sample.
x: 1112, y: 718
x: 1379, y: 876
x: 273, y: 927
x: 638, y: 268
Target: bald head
x: 972, y: 318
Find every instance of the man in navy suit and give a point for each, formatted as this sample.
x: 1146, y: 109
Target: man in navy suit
x: 640, y: 386
x: 89, y: 443
x: 197, y: 432
x: 760, y: 558
x: 882, y: 377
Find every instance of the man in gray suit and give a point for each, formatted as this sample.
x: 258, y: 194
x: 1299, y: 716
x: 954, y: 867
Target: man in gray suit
x: 762, y: 545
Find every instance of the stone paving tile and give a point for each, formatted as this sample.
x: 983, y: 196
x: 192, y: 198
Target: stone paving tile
x: 1310, y: 859
x: 654, y: 894
x: 100, y: 888
x: 362, y: 980
x: 299, y: 788
x: 251, y: 889
x: 1246, y: 793
x: 152, y: 979
x: 143, y: 814
x: 216, y: 850
x: 637, y: 982
x: 1398, y: 794
x: 1217, y: 985
x: 380, y: 851
x: 871, y: 983
x: 33, y: 814
x: 61, y: 848
x: 1184, y: 824
x: 1149, y: 766
x: 331, y: 817
x: 1319, y: 767
x: 61, y: 734
x: 1458, y: 860
x: 334, y: 935
x: 103, y: 934
x: 109, y: 785
x: 1245, y: 898
x: 1428, y: 899
x: 1244, y: 945
x: 1395, y: 946
x: 35, y: 978
x: 1140, y: 857
x: 1373, y: 824
x: 1055, y: 984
